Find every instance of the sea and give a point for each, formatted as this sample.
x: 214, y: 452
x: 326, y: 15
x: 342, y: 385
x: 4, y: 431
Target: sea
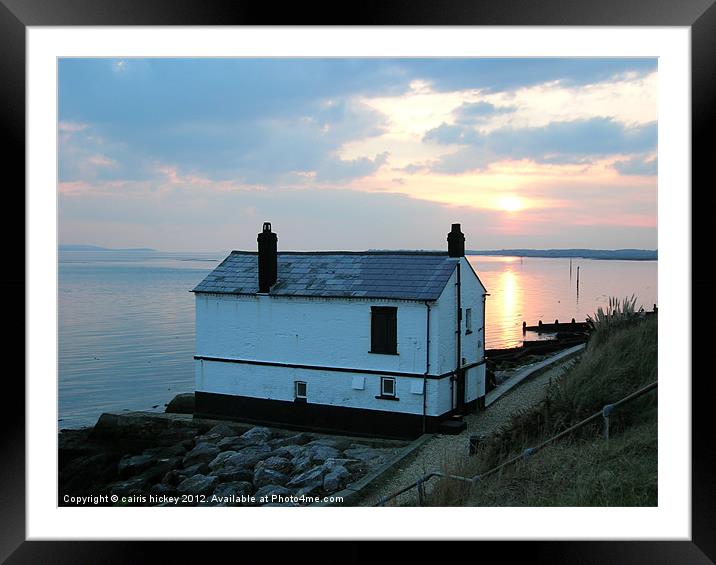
x: 126, y: 318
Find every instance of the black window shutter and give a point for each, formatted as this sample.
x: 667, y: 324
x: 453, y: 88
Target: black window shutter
x: 383, y: 329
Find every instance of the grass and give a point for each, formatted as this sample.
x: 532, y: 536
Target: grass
x: 582, y: 469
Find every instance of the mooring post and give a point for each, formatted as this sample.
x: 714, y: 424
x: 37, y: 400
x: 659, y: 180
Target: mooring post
x: 421, y: 492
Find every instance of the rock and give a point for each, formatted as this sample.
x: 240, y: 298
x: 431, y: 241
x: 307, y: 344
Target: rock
x: 196, y: 469
x: 236, y: 488
x: 175, y: 450
x: 322, y: 452
x: 132, y: 432
x: 263, y: 477
x: 288, y: 451
x: 198, y: 484
x: 234, y: 443
x: 86, y: 474
x: 162, y: 488
x: 181, y: 404
x: 271, y: 494
x: 352, y: 465
x: 220, y: 459
x: 258, y: 433
x: 312, y: 454
x: 160, y: 467
x: 172, y: 478
x: 280, y: 464
x: 336, y: 443
x: 135, y: 485
x: 233, y: 474
x: 297, y: 439
x: 202, y: 453
x: 365, y: 454
x: 217, y: 433
x: 311, y: 478
x: 248, y: 456
x: 336, y: 478
x: 131, y: 465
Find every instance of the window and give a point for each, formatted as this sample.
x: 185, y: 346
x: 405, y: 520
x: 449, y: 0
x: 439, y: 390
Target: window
x: 383, y: 330
x: 468, y: 321
x: 300, y: 391
x: 387, y: 386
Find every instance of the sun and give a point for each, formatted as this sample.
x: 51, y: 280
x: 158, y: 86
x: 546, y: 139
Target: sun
x: 510, y: 203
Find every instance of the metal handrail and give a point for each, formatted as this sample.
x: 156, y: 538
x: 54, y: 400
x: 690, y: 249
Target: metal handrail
x: 605, y: 412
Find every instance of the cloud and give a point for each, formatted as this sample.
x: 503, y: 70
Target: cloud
x: 480, y: 111
x: 557, y: 142
x: 639, y: 165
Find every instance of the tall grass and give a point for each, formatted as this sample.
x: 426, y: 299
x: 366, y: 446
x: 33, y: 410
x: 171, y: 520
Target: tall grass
x: 620, y: 358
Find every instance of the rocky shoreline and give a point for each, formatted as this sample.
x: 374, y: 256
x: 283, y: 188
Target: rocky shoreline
x: 169, y: 459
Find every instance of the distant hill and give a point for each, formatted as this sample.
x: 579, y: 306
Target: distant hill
x: 623, y: 254
x: 72, y: 247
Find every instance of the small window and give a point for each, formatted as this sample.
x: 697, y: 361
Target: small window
x: 468, y: 321
x: 384, y: 330
x: 387, y: 386
x: 300, y: 391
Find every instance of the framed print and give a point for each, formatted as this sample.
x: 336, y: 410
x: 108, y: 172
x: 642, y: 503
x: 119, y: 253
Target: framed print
x: 483, y: 171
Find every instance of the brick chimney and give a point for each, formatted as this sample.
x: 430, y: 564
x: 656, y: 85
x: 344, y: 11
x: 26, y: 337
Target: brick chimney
x: 456, y: 242
x: 268, y: 258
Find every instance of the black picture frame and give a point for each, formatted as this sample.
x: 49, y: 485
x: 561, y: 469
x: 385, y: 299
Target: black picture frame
x: 698, y: 15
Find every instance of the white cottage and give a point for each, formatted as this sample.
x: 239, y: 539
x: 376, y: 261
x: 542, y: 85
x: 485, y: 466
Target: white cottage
x: 385, y: 343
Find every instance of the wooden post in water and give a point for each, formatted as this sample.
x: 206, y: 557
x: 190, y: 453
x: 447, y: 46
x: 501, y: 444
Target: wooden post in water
x: 577, y: 281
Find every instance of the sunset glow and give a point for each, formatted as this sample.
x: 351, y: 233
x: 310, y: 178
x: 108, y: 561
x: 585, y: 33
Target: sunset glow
x: 567, y: 146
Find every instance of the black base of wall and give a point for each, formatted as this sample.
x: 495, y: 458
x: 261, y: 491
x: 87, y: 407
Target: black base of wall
x: 314, y: 417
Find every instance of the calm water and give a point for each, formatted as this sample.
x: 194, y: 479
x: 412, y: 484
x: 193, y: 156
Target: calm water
x: 126, y: 320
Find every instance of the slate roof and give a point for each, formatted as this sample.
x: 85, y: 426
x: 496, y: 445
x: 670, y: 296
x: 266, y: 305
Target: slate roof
x: 370, y: 274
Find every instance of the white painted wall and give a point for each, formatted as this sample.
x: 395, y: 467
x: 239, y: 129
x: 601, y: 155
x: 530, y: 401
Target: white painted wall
x: 309, y: 331
x: 336, y: 333
x: 322, y: 387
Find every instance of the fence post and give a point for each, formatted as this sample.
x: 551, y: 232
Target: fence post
x: 421, y: 492
x: 606, y: 411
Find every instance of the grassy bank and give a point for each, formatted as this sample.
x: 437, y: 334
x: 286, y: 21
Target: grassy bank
x: 581, y: 469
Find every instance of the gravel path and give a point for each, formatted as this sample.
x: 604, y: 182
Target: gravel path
x: 445, y: 447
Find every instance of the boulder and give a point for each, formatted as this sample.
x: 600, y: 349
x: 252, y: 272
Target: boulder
x: 134, y: 486
x: 196, y: 469
x: 181, y: 404
x: 178, y: 449
x: 234, y: 443
x: 233, y: 474
x: 131, y: 465
x: 313, y: 454
x: 203, y: 452
x: 162, y: 488
x: 131, y: 432
x: 217, y: 433
x: 288, y: 451
x: 198, y: 484
x: 259, y: 434
x: 336, y: 478
x: 263, y: 477
x: 365, y: 454
x: 248, y: 456
x: 336, y: 443
x: 311, y: 478
x: 220, y: 459
x: 236, y: 488
x: 86, y: 474
x: 296, y: 439
x: 280, y: 464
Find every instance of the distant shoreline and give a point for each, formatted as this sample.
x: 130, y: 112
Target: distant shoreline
x: 603, y: 254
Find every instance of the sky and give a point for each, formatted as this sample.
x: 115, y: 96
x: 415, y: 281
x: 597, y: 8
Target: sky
x: 195, y: 154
